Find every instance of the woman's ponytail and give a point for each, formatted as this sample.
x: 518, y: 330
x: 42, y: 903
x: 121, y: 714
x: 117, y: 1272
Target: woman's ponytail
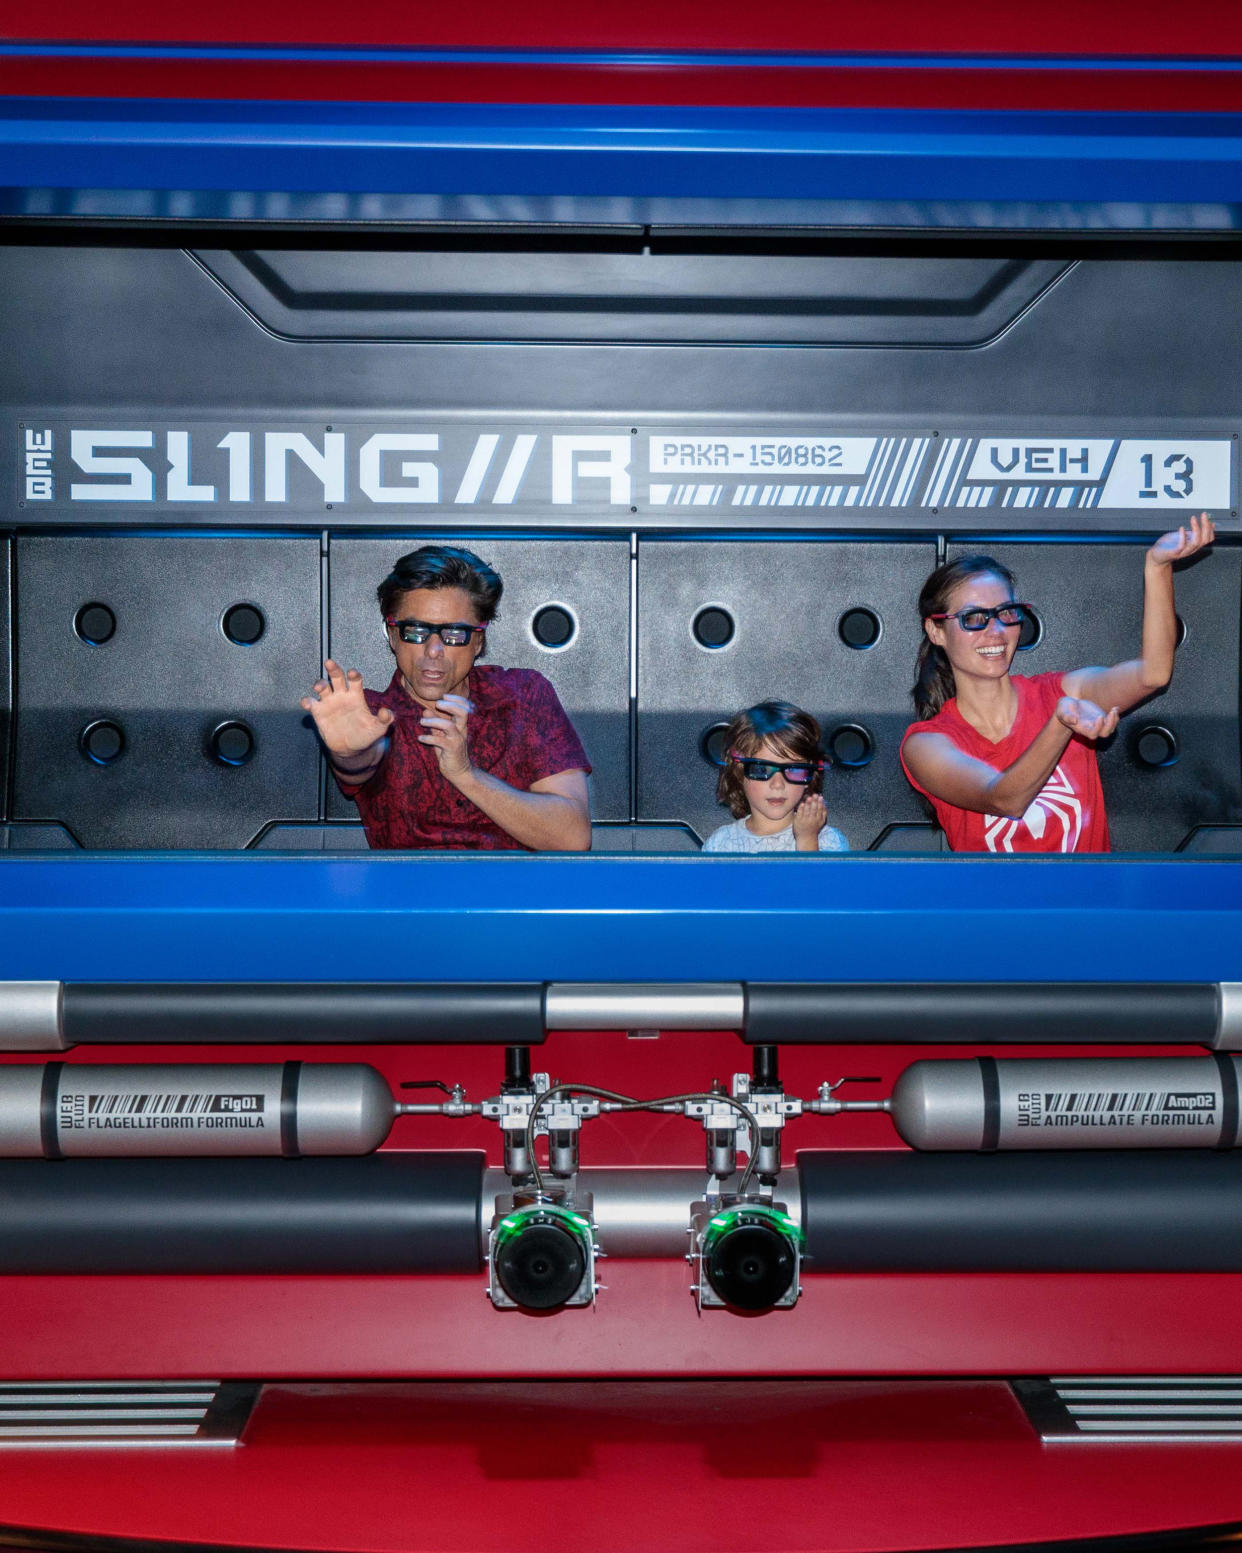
x: 933, y: 684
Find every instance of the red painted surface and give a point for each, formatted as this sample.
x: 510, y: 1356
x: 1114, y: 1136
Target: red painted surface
x: 1111, y: 27
x: 856, y: 1421
x: 1150, y: 91
x: 644, y: 1324
x: 695, y: 1466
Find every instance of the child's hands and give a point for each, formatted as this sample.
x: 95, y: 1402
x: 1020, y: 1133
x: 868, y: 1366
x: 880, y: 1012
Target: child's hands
x: 1177, y: 545
x: 809, y: 819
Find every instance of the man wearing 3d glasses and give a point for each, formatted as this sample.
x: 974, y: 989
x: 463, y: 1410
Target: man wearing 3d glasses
x: 454, y: 753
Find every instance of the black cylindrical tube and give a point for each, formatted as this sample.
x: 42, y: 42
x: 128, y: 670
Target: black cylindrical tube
x: 1076, y: 1012
x: 764, y: 1068
x: 517, y: 1067
x: 489, y: 1013
x: 1064, y: 1212
x: 385, y: 1213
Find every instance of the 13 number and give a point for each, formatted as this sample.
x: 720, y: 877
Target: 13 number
x: 1181, y: 469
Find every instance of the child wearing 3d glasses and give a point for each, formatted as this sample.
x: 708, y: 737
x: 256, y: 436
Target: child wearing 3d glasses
x: 771, y: 782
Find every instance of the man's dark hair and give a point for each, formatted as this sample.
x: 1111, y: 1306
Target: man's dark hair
x: 443, y: 566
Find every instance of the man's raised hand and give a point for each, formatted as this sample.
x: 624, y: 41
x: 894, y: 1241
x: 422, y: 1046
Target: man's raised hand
x: 345, y: 722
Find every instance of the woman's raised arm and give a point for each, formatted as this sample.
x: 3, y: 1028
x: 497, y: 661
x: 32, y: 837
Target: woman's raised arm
x: 1126, y: 684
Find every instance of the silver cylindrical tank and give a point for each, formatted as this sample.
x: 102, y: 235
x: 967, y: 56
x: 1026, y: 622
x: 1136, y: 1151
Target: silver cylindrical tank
x: 64, y: 1110
x: 1073, y: 1103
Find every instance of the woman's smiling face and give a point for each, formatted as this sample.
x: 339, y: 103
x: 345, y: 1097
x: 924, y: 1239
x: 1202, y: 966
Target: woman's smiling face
x: 984, y: 654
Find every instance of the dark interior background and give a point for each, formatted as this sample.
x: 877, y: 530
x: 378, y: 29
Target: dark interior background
x: 207, y: 744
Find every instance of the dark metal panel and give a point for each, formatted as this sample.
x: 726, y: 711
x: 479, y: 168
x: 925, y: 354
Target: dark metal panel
x: 36, y: 838
x: 589, y: 578
x: 1089, y: 600
x: 476, y: 294
x: 6, y: 673
x: 90, y: 326
x: 167, y: 677
x: 787, y: 601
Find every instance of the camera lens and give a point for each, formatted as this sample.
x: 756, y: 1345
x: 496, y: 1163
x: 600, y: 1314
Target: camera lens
x: 750, y: 1266
x: 540, y: 1265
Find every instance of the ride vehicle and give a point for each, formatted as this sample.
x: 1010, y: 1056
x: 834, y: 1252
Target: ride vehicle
x: 714, y: 354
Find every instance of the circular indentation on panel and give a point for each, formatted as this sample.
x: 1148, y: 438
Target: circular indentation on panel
x: 712, y: 745
x: 102, y: 742
x: 1181, y: 630
x: 1030, y: 632
x: 232, y: 744
x: 95, y: 624
x: 243, y: 624
x: 859, y: 628
x: 713, y: 627
x: 554, y: 626
x: 1154, y: 746
x: 850, y: 745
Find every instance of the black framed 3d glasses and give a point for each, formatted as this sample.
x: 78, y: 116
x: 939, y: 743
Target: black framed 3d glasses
x: 975, y: 617
x: 454, y: 633
x: 799, y: 772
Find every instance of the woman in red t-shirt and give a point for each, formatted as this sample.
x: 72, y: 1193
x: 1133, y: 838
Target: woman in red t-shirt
x: 1008, y: 761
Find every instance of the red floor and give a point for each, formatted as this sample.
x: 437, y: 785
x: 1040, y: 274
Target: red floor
x: 697, y: 1466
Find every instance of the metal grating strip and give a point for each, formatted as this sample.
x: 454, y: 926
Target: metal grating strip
x: 1143, y: 1379
x: 1145, y: 1408
x: 114, y: 1413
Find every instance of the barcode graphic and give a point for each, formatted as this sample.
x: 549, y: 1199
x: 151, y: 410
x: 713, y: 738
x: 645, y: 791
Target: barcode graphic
x: 167, y: 1104
x: 798, y: 496
x: 1094, y: 1101
x: 686, y: 495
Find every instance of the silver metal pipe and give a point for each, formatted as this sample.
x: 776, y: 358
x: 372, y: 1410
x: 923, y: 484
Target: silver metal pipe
x: 30, y: 1016
x: 33, y: 1014
x: 639, y: 1212
x: 1229, y: 1018
x: 645, y: 1006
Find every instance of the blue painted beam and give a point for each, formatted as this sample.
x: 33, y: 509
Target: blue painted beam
x: 445, y: 917
x: 485, y: 149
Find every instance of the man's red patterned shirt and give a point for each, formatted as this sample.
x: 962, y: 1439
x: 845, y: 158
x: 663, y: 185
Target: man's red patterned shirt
x: 518, y: 731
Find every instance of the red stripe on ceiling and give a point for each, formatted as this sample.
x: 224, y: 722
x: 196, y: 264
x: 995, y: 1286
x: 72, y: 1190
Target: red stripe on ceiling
x: 1122, y: 28
x: 1131, y: 90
